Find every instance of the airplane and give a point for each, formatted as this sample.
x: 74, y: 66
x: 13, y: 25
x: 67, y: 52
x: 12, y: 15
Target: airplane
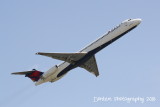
x: 84, y: 58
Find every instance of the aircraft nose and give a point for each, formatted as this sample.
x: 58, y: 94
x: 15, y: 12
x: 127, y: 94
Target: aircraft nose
x: 138, y: 21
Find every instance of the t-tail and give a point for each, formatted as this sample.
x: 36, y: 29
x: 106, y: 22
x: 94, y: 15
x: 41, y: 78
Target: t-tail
x: 34, y: 74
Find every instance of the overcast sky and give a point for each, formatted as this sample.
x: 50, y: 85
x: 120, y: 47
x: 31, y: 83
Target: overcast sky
x: 129, y: 68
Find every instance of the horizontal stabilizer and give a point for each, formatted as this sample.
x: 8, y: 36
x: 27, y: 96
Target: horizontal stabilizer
x: 68, y: 57
x: 21, y: 73
x: 34, y: 75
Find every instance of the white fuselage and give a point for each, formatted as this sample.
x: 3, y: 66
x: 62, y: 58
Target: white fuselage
x: 52, y: 74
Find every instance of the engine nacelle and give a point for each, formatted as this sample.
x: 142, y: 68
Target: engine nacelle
x: 49, y: 72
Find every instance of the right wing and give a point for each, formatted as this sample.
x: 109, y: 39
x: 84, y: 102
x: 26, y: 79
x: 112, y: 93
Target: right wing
x: 68, y: 57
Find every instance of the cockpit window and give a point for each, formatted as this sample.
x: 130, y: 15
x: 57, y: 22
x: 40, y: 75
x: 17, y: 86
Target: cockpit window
x: 129, y: 19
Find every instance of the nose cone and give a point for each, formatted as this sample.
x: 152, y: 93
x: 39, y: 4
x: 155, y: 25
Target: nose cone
x: 137, y: 21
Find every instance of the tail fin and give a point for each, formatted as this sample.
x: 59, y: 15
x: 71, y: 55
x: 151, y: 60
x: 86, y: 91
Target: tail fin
x: 34, y: 75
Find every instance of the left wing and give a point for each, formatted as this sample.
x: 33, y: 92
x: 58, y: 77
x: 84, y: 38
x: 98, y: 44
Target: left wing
x: 91, y: 66
x: 68, y: 57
